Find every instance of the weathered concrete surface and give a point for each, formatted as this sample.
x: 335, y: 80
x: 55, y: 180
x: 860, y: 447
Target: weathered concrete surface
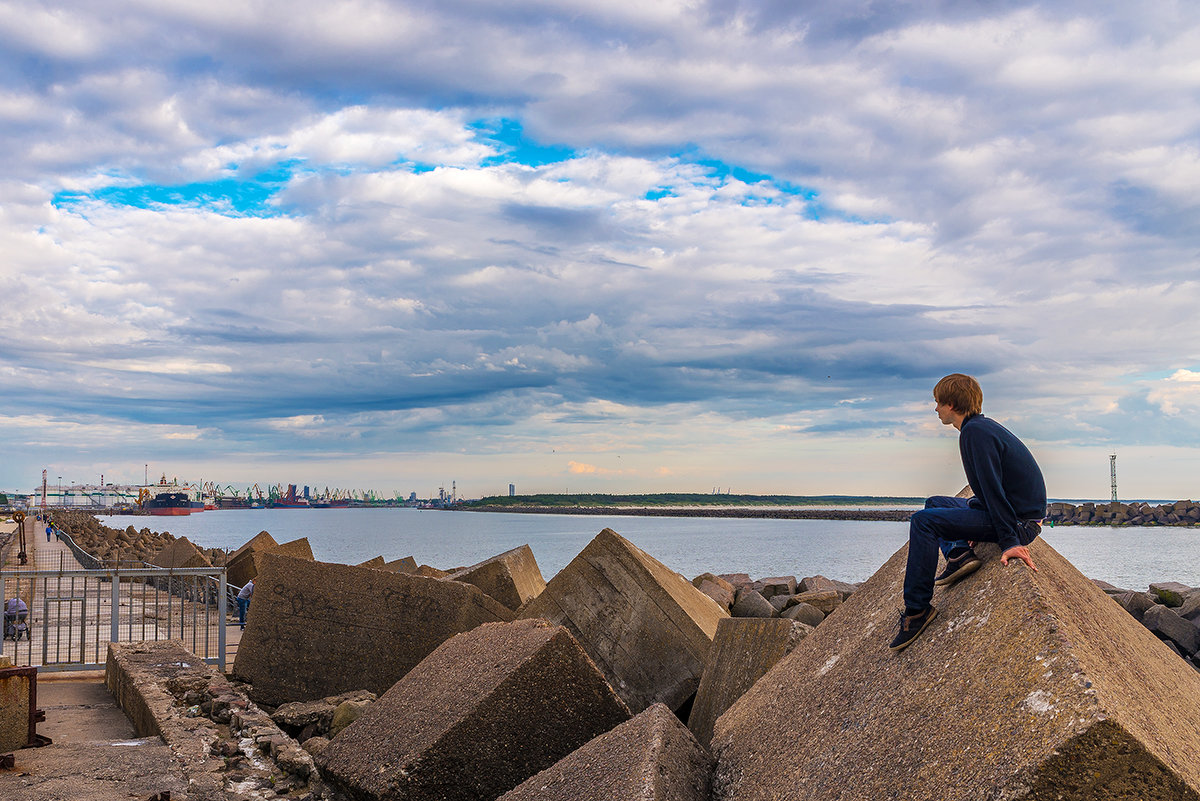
x: 241, y: 566
x: 1027, y: 685
x: 375, y: 563
x: 477, y: 717
x: 95, y: 754
x: 647, y: 628
x: 181, y: 553
x: 297, y: 548
x: 14, y: 707
x: 320, y: 629
x: 512, y: 578
x: 217, y: 738
x: 651, y: 757
x: 405, y: 565
x: 243, y: 563
x: 742, y: 651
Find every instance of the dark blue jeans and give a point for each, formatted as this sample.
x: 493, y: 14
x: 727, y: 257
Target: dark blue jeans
x: 243, y: 605
x: 944, y: 523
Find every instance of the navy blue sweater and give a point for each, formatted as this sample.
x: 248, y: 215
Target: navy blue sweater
x: 1006, y: 480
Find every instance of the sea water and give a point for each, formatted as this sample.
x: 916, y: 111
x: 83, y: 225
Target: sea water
x: 849, y: 550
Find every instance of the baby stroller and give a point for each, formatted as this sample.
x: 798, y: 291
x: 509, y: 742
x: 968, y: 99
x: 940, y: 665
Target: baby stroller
x: 16, y: 617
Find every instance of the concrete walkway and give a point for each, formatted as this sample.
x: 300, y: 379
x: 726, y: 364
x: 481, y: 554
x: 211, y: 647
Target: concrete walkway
x: 95, y: 753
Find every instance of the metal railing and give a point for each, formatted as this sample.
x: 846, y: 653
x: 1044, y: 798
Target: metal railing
x: 74, y: 614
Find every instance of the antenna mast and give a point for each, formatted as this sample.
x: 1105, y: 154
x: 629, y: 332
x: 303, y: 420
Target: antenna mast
x: 1112, y: 466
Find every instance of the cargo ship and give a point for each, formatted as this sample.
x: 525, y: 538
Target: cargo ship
x: 169, y: 503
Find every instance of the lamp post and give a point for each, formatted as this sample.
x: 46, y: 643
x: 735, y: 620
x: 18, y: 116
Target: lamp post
x: 61, y: 500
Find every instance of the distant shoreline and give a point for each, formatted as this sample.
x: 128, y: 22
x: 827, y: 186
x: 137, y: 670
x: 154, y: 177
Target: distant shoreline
x: 897, y: 515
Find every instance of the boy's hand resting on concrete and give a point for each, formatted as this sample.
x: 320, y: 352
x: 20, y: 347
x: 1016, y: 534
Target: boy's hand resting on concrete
x: 1019, y: 552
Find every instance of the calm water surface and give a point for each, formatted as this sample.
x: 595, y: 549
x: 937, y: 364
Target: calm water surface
x: 849, y: 550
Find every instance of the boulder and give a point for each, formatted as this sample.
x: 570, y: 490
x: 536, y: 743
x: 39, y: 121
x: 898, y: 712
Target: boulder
x: 1190, y: 610
x: 817, y: 584
x: 512, y: 578
x: 647, y: 628
x: 698, y: 582
x: 1026, y: 685
x: 804, y: 613
x: 737, y: 580
x: 374, y: 563
x: 651, y: 757
x: 751, y: 603
x: 1166, y: 622
x: 1135, y: 603
x: 1171, y: 593
x: 825, y: 600
x: 477, y: 717
x: 742, y: 651
x: 778, y: 585
x: 319, y: 629
x: 718, y: 592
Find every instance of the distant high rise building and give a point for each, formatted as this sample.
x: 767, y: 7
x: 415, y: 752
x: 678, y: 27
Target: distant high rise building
x: 512, y: 490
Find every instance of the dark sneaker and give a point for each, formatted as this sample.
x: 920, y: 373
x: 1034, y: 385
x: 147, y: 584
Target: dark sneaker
x: 911, y: 627
x: 962, y: 565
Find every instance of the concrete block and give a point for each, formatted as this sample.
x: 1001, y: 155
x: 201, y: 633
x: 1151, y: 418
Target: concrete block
x: 297, y: 548
x: 651, y: 757
x: 375, y: 563
x: 825, y: 600
x: 817, y: 584
x: 260, y: 541
x: 778, y: 585
x: 319, y: 629
x: 1171, y: 593
x: 717, y: 591
x: 804, y: 613
x: 751, y: 603
x: 1135, y: 603
x: 181, y: 553
x: 430, y: 572
x: 1057, y: 694
x: 1166, y: 622
x: 647, y: 628
x: 405, y: 565
x: 698, y: 582
x: 512, y: 578
x: 743, y: 650
x: 482, y: 713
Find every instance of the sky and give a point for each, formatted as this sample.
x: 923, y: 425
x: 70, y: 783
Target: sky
x: 651, y: 246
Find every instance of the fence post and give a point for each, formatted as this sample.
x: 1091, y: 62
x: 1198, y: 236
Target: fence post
x: 116, y: 605
x: 221, y: 606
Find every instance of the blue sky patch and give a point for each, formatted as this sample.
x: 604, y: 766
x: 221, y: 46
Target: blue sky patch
x: 245, y: 197
x: 508, y: 135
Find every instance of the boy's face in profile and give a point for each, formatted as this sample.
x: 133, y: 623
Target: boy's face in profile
x: 945, y: 412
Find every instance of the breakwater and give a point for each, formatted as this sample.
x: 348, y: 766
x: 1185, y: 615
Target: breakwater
x: 1115, y: 513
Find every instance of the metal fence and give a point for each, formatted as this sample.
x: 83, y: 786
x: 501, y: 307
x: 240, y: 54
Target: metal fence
x: 72, y: 615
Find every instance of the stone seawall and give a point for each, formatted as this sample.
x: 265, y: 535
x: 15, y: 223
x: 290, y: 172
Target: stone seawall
x: 1138, y: 513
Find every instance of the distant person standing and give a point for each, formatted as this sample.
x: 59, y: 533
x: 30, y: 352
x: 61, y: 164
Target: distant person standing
x: 1008, y: 507
x: 243, y: 601
x: 49, y: 531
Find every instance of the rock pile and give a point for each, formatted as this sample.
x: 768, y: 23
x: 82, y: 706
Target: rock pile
x: 1179, y: 513
x: 110, y: 544
x: 1170, y: 610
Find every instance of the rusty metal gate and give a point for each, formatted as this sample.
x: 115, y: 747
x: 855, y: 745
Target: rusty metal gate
x: 70, y: 616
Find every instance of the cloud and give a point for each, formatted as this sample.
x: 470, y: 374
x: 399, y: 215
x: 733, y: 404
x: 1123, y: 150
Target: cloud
x: 632, y: 216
